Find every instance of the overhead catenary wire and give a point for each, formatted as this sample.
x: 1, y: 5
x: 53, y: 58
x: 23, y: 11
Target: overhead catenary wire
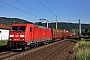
x: 28, y: 6
x: 19, y: 9
x: 46, y: 8
x: 56, y: 11
x: 31, y: 8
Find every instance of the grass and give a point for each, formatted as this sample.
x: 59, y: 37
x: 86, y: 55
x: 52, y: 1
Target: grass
x: 3, y: 42
x: 3, y: 45
x: 82, y: 50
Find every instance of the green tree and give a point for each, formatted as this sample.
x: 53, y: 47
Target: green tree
x: 87, y: 32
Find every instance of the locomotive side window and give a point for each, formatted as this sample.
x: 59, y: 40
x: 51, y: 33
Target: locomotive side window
x: 30, y: 29
x: 18, y: 28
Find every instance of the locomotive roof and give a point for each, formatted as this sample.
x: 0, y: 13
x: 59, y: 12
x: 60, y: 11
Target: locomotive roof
x: 37, y: 26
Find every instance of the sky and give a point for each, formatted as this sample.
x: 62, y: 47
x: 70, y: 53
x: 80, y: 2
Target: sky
x: 33, y: 10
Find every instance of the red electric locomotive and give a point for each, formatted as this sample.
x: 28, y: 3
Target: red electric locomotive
x: 28, y: 35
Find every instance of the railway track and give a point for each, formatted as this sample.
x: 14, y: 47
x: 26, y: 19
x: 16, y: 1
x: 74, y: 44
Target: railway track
x: 42, y: 53
x: 56, y: 51
x: 5, y: 55
x: 46, y: 52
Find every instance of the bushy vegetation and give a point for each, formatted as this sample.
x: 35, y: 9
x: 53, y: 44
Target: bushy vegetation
x: 3, y: 45
x: 82, y: 50
x: 86, y: 32
x: 3, y: 42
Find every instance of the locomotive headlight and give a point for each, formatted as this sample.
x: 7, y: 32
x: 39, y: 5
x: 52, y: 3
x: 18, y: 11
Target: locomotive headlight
x: 10, y: 39
x: 22, y: 39
x: 11, y: 36
x: 22, y: 36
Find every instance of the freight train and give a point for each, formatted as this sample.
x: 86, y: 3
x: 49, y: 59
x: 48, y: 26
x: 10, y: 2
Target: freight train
x: 28, y: 35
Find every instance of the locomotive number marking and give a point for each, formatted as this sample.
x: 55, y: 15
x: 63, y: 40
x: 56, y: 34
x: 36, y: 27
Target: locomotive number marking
x: 16, y: 35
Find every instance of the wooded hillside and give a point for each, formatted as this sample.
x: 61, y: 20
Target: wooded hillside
x: 61, y: 25
x: 68, y: 26
x: 9, y: 21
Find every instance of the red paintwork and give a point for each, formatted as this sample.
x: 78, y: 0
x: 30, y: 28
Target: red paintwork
x: 57, y: 34
x: 18, y: 33
x: 66, y: 34
x: 37, y: 34
x: 33, y: 33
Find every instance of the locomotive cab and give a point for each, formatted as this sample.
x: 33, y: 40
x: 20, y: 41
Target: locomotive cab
x: 18, y: 35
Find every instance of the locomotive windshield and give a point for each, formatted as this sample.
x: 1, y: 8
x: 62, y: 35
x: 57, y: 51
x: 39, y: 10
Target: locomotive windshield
x: 18, y: 28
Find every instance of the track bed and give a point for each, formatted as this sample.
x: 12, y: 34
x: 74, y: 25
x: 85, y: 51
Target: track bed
x: 59, y: 50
